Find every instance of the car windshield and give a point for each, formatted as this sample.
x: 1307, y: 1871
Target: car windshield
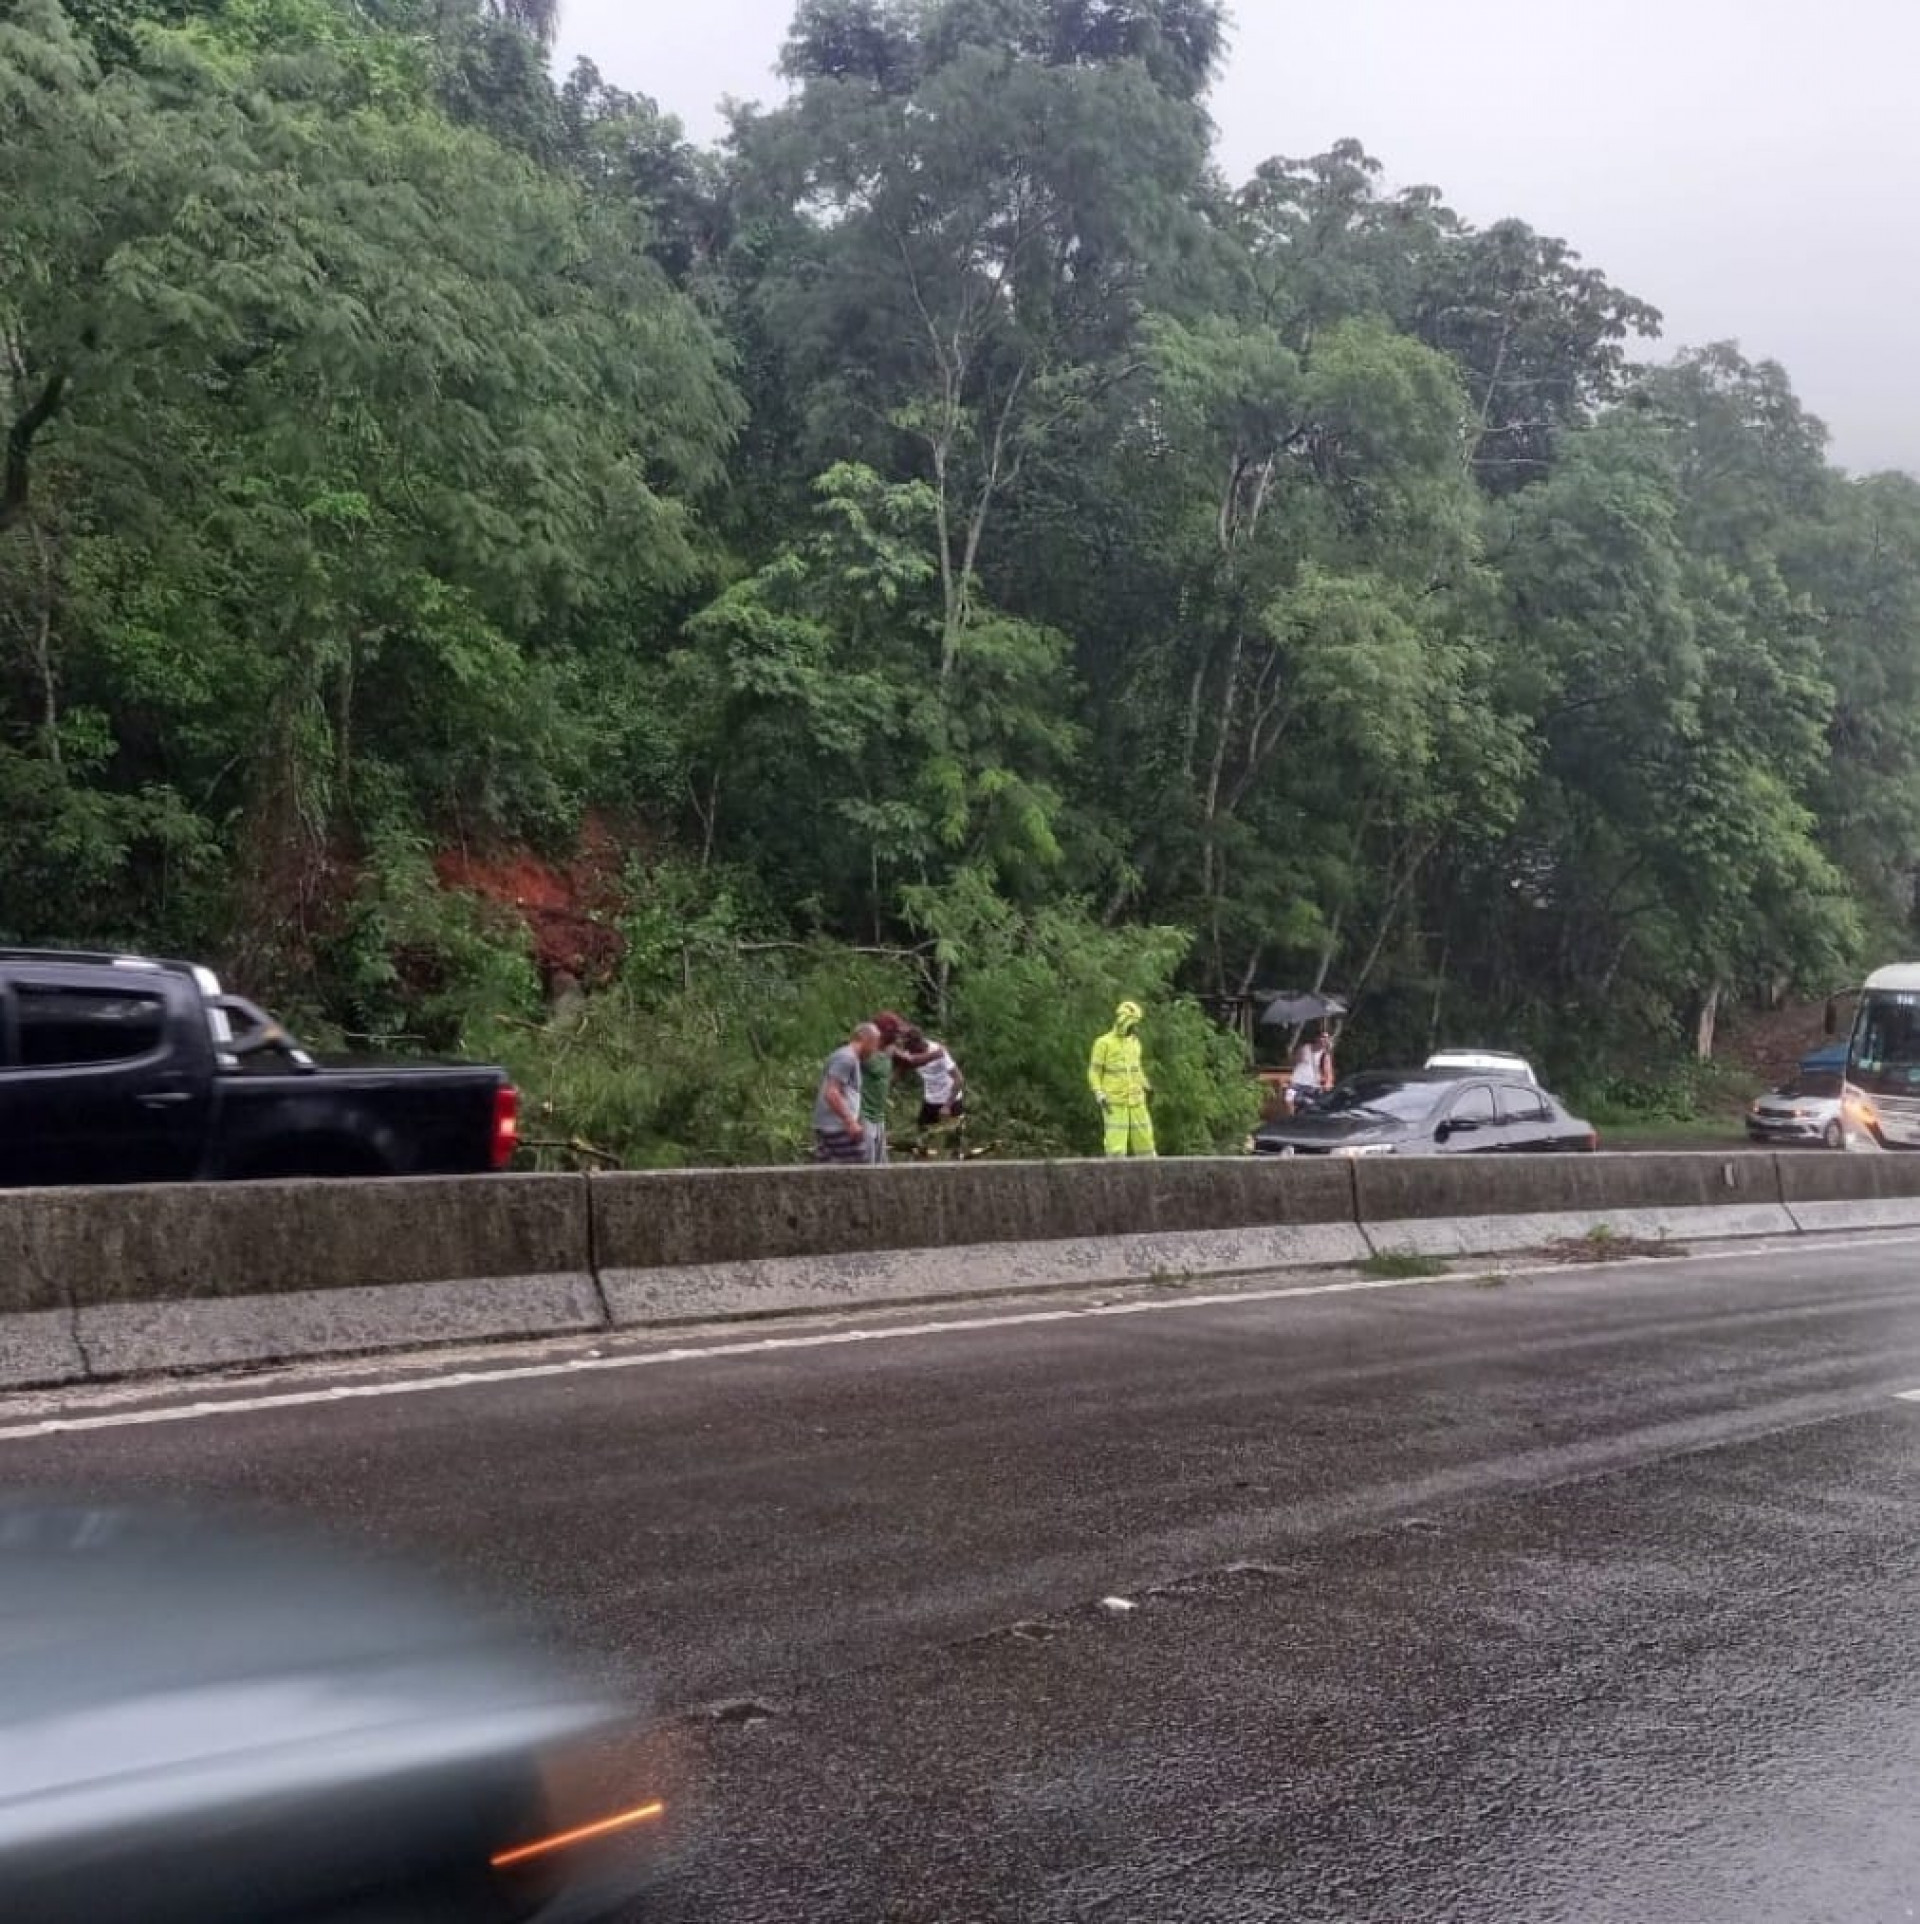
x: 1384, y: 1096
x: 1886, y: 1042
x: 1821, y: 1086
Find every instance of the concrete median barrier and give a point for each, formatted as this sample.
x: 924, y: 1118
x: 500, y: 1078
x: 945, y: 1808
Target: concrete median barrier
x: 187, y: 1276
x: 38, y: 1347
x: 118, y: 1282
x: 1474, y: 1206
x: 1862, y: 1191
x: 38, y: 1343
x: 703, y: 1243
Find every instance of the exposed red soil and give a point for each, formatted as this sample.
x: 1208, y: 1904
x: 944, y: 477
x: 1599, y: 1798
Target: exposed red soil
x: 571, y: 909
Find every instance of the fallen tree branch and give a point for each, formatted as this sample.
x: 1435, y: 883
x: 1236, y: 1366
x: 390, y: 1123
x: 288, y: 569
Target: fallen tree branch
x: 896, y: 955
x: 574, y: 1146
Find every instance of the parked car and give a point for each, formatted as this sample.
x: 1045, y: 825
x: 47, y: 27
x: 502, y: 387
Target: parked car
x: 1424, y: 1112
x: 204, y: 1723
x: 1806, y: 1110
x: 1464, y: 1062
x: 120, y: 1068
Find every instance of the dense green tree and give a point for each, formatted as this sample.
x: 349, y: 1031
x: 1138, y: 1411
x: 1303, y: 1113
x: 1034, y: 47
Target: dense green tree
x: 989, y: 184
x: 340, y: 409
x: 1330, y: 546
x: 1668, y: 850
x: 1859, y: 563
x: 943, y: 544
x: 624, y: 148
x: 822, y: 670
x: 1540, y: 340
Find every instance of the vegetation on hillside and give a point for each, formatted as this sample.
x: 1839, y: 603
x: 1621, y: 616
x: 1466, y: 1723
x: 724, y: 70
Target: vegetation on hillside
x: 943, y: 547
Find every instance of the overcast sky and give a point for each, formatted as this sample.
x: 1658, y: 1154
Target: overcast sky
x: 1745, y: 165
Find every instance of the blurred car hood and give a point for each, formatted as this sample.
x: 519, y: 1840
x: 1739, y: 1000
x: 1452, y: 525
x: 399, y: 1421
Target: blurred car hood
x: 153, y: 1663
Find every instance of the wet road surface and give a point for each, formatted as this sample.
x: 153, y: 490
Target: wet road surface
x: 1593, y: 1596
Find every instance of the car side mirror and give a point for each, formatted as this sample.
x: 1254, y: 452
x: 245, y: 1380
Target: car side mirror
x: 1443, y: 1132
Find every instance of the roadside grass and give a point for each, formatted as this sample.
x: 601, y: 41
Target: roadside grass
x: 1679, y: 1106
x: 1605, y: 1244
x: 1403, y: 1266
x: 1672, y: 1132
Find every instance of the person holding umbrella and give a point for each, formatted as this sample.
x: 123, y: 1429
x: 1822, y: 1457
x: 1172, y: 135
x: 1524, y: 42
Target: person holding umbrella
x: 1118, y: 1080
x: 1311, y: 1073
x: 1305, y: 1078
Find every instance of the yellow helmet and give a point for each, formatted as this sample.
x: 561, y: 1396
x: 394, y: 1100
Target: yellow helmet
x: 1128, y: 1015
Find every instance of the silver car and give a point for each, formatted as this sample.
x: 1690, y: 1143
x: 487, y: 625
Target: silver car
x: 204, y: 1724
x: 1806, y: 1110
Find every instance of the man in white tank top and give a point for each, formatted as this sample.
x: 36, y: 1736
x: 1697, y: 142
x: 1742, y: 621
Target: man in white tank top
x: 943, y: 1091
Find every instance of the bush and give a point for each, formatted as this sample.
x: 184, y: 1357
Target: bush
x: 722, y: 1072
x: 708, y: 1046
x: 1685, y: 1091
x: 1025, y: 1015
x: 415, y: 967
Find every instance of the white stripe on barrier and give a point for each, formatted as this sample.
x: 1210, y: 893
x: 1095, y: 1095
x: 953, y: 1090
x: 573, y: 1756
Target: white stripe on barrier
x: 828, y: 1339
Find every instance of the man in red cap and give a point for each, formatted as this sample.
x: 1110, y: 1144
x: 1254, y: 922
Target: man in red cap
x: 877, y: 1081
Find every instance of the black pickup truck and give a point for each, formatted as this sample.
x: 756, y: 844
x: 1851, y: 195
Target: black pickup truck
x: 120, y: 1068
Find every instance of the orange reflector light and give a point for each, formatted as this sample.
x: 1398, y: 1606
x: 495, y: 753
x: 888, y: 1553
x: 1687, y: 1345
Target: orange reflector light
x: 562, y: 1840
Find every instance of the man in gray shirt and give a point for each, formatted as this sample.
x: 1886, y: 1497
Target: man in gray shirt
x: 838, y: 1133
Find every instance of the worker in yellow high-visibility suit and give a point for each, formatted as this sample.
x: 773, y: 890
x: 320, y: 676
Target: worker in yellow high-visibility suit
x: 1119, y: 1085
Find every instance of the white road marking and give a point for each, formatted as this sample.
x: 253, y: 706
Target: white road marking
x: 830, y: 1339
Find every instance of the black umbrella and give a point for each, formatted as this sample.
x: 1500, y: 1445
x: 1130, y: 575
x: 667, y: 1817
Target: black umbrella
x: 1292, y: 1007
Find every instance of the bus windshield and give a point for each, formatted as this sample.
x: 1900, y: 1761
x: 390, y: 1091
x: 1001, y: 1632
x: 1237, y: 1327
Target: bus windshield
x: 1885, y: 1057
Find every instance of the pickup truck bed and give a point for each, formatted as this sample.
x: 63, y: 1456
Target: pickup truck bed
x: 119, y: 1069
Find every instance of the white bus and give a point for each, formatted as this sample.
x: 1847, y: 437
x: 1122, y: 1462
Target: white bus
x: 1882, y: 1095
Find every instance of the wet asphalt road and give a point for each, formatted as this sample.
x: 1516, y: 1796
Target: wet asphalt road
x: 1588, y: 1597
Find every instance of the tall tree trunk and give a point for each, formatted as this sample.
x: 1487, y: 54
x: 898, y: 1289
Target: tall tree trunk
x: 41, y: 645
x: 952, y: 589
x: 1229, y: 699
x: 1196, y: 690
x: 1611, y: 973
x: 281, y: 866
x: 1328, y: 950
x: 343, y: 727
x: 1703, y: 1033
x: 1439, y: 997
x: 710, y: 822
x: 16, y: 452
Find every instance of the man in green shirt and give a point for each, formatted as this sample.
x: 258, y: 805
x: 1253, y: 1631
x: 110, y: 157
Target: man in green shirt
x: 875, y: 1085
